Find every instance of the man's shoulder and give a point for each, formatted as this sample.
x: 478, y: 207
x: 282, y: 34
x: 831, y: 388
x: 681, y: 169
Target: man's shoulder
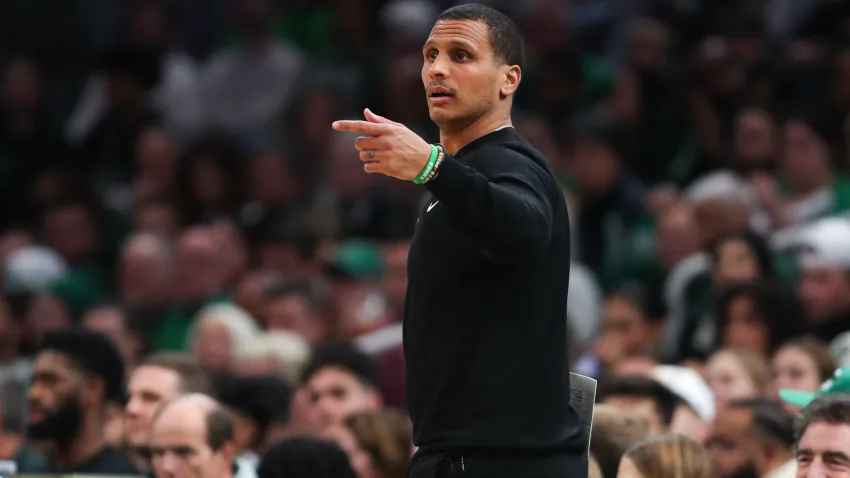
x: 109, y: 460
x: 512, y: 154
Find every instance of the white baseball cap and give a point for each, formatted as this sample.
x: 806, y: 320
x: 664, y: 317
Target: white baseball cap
x: 825, y: 243
x: 689, y: 386
x: 32, y: 269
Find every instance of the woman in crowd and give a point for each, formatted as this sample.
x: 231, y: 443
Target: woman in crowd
x: 667, y: 456
x: 736, y: 374
x: 802, y: 364
x: 759, y: 316
x: 378, y: 443
x: 219, y: 334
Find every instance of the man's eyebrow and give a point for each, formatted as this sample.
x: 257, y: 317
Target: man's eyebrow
x: 804, y: 451
x: 837, y: 456
x: 455, y: 43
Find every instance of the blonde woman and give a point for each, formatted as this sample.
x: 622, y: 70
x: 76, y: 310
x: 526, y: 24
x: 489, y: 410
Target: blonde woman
x: 735, y: 374
x: 667, y: 456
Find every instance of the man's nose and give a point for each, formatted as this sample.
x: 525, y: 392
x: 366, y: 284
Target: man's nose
x: 439, y: 68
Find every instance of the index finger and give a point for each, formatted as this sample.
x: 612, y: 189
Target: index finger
x: 364, y: 127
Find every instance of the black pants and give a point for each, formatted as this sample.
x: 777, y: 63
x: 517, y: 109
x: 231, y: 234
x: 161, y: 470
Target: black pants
x: 497, y: 465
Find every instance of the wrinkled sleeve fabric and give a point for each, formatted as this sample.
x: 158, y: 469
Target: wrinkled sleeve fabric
x: 499, y: 198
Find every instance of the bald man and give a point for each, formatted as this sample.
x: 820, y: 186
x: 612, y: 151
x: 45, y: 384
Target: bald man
x: 192, y: 437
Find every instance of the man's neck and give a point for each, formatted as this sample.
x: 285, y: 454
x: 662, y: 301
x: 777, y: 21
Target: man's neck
x: 455, y: 141
x: 87, y: 443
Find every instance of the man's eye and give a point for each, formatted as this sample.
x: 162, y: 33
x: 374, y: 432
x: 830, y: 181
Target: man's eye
x: 461, y: 56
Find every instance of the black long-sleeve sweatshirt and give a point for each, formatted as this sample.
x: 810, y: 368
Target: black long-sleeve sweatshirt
x: 485, y: 326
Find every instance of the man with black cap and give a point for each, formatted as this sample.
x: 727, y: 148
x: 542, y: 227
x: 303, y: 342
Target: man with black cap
x: 77, y: 375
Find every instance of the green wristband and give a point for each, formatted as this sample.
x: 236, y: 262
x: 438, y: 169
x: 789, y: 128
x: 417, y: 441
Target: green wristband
x: 435, y: 151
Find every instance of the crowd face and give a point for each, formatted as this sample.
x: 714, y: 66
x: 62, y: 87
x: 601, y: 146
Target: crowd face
x: 729, y: 380
x: 180, y: 450
x: 731, y: 444
x: 643, y: 407
x: 825, y: 291
x: 793, y: 368
x: 824, y: 451
x: 336, y: 394
x: 55, y: 399
x: 148, y: 389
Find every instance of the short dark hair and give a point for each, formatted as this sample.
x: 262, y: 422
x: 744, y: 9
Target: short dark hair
x: 95, y: 355
x: 219, y: 428
x: 265, y: 400
x: 193, y: 377
x: 282, y: 289
x: 346, y: 356
x: 305, y: 457
x: 833, y: 409
x: 771, y: 421
x: 644, y: 387
x: 505, y: 36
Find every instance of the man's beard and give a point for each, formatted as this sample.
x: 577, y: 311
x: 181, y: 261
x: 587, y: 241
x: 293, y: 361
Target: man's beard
x: 60, y: 426
x: 746, y: 471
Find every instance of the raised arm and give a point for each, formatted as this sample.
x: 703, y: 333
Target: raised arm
x: 502, y: 204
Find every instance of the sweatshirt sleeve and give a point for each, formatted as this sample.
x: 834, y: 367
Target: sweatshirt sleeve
x: 502, y: 203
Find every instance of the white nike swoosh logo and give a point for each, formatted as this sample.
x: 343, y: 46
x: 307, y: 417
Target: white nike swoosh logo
x: 431, y: 206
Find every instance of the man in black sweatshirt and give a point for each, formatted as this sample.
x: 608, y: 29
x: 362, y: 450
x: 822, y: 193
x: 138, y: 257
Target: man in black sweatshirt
x: 485, y: 320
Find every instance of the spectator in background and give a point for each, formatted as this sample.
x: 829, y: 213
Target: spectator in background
x: 256, y: 403
x: 174, y: 95
x: 106, y: 150
x: 278, y: 353
x: 667, y: 455
x: 752, y: 439
x: 823, y: 428
x: 802, y: 364
x: 13, y: 446
x: 378, y: 443
x: 293, y: 307
x: 245, y: 89
x: 340, y: 381
x: 198, y: 424
x: 157, y: 380
x: 112, y: 321
x: 145, y: 278
x: 696, y: 408
x: 199, y: 279
x: 644, y: 397
x: 615, y: 431
x: 759, y: 316
x: 219, y: 334
x: 303, y: 457
x: 76, y: 376
x: 737, y: 374
x: 74, y: 228
x: 824, y: 258
x: 626, y: 330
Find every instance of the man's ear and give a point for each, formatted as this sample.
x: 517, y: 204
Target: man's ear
x: 228, y: 453
x: 512, y: 75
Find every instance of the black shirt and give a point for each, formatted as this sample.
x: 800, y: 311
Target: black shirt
x: 485, y: 327
x: 107, y: 461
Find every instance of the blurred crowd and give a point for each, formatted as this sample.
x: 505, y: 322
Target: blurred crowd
x: 169, y: 179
